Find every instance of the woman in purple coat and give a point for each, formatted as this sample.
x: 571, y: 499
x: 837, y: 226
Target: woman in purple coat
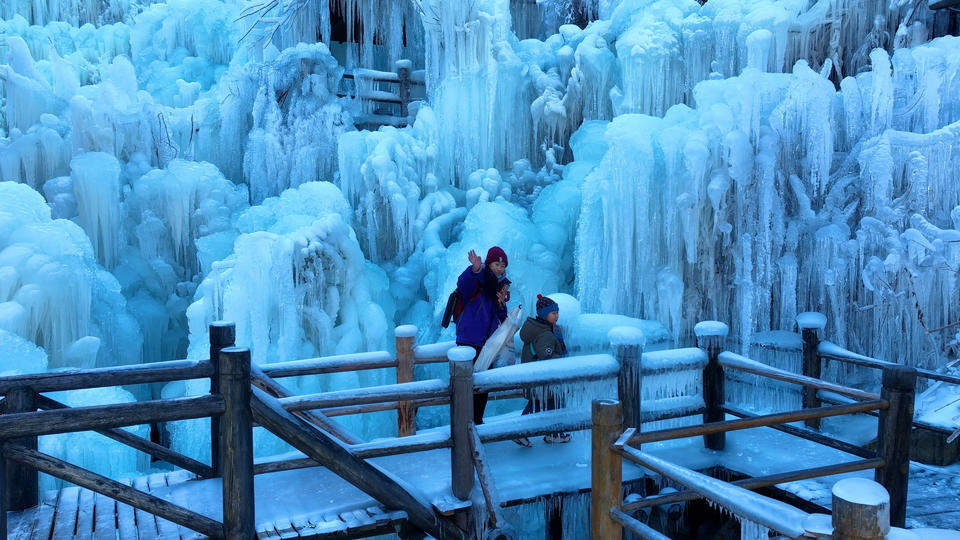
x: 485, y: 291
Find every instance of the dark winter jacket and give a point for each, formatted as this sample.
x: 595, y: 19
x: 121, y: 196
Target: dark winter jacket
x: 482, y: 315
x: 541, y: 341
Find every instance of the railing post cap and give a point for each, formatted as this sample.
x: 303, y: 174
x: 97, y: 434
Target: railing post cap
x: 225, y: 329
x: 405, y: 331
x: 811, y: 320
x: 899, y: 377
x: 606, y: 412
x: 404, y: 64
x: 626, y: 335
x: 711, y: 329
x: 860, y: 491
x: 461, y: 354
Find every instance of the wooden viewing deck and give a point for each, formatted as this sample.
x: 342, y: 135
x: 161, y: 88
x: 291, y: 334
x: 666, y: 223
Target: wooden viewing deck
x: 339, y: 486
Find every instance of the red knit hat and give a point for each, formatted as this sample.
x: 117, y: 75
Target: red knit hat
x: 496, y: 255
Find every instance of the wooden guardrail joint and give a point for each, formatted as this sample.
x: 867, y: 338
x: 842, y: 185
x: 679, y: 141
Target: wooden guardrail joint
x: 236, y: 449
x: 222, y: 334
x: 627, y: 343
x: 811, y: 326
x: 406, y: 412
x: 896, y: 422
x: 606, y: 469
x: 711, y: 336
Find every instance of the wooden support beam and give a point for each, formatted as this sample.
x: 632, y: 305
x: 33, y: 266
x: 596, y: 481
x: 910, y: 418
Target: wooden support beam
x: 23, y: 482
x: 861, y: 510
x: 810, y: 328
x: 810, y: 435
x: 175, y: 370
x: 606, y: 469
x: 499, y: 528
x: 113, y: 489
x: 139, y: 443
x: 461, y: 418
x: 893, y: 435
x: 269, y: 385
x: 405, y: 337
x: 222, y: 334
x: 760, y: 482
x: 756, y: 421
x: 627, y: 344
x: 332, y: 454
x: 107, y: 416
x: 711, y: 336
x: 642, y: 530
x: 236, y: 445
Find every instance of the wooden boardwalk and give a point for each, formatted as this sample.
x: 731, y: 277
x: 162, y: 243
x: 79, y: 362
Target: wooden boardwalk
x: 315, y: 503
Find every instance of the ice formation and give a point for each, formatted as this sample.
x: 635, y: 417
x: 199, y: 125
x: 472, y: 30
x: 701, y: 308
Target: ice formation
x: 647, y: 163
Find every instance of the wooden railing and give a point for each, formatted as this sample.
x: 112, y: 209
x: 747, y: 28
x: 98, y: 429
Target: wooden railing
x: 409, y: 82
x: 242, y: 394
x: 616, y: 436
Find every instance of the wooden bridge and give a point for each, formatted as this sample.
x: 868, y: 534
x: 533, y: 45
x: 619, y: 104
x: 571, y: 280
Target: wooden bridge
x: 339, y: 486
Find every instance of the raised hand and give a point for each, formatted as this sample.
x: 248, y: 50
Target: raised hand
x: 475, y: 260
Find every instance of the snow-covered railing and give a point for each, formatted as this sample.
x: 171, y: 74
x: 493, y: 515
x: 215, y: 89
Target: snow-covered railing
x: 406, y: 80
x: 890, y: 461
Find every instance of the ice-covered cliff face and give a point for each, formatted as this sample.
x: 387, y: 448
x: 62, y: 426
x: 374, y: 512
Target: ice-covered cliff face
x: 778, y: 194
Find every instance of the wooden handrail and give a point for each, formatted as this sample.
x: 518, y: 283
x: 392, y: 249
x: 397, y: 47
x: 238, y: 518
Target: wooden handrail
x: 742, y: 363
x: 832, y: 351
x: 107, y: 416
x: 330, y: 364
x: 139, y: 443
x: 76, y: 379
x: 768, y: 512
x: 756, y: 421
x: 576, y: 368
x: 113, y: 489
x: 375, y: 394
x: 759, y: 482
x: 810, y: 435
x: 642, y: 530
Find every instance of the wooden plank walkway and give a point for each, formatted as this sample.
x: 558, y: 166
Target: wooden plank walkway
x: 315, y: 503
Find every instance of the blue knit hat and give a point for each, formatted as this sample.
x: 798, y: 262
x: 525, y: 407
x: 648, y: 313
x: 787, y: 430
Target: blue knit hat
x: 545, y: 306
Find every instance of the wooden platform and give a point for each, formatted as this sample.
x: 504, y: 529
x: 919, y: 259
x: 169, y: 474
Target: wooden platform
x: 314, y: 503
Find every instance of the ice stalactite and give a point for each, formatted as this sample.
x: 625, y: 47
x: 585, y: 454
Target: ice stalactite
x: 297, y: 286
x: 96, y: 187
x: 296, y: 122
x: 476, y: 83
x: 388, y: 177
x: 74, y: 12
x: 53, y: 292
x: 836, y: 208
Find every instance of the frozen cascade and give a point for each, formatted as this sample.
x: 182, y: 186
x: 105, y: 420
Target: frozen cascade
x: 297, y: 286
x: 868, y: 248
x: 53, y: 291
x: 296, y: 121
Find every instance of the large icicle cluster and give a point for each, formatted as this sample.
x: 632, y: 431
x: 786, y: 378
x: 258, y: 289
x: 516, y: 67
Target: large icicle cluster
x: 784, y: 196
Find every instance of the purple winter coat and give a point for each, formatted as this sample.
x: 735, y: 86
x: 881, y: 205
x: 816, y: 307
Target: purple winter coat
x: 482, y: 316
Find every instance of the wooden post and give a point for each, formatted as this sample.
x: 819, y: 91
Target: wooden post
x: 461, y: 417
x: 861, y: 510
x: 710, y: 337
x: 22, y: 481
x: 893, y: 436
x: 4, y: 489
x: 811, y: 324
x: 406, y: 412
x: 606, y: 469
x: 222, y: 335
x: 404, y: 67
x: 627, y: 344
x: 237, y: 448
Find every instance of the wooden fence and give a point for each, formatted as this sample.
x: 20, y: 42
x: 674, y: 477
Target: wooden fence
x: 242, y: 394
x: 385, y: 107
x: 616, y: 435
